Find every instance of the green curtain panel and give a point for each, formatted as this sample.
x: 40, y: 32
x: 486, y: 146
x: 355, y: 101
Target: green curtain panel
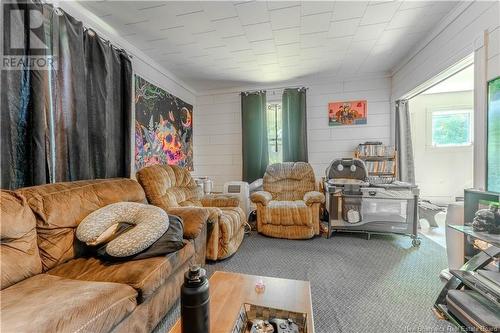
x: 294, y: 125
x: 254, y: 131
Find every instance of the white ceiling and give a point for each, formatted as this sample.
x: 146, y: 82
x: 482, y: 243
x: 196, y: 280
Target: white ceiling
x: 214, y: 45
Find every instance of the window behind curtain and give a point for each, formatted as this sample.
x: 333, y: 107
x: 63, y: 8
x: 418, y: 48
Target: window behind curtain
x: 274, y: 131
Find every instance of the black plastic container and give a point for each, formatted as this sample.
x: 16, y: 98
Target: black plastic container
x: 195, y: 301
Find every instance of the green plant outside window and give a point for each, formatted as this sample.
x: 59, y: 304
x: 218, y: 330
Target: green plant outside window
x: 451, y: 128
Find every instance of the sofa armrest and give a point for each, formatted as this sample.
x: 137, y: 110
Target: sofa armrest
x: 261, y: 197
x: 220, y: 200
x: 314, y: 197
x: 194, y: 219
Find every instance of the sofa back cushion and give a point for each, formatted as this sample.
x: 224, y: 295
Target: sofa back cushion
x: 60, y: 207
x: 18, y: 249
x: 169, y: 186
x: 289, y: 180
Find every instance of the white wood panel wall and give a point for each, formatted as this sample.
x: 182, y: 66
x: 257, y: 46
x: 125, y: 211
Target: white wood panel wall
x: 217, y: 126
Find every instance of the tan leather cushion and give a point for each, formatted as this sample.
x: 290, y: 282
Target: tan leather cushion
x: 18, y: 250
x: 144, y: 275
x: 194, y: 219
x: 46, y: 303
x: 231, y: 223
x: 288, y: 213
x: 289, y: 180
x: 60, y: 207
x: 169, y: 186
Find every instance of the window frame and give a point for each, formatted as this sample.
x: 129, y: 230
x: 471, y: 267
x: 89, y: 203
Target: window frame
x: 466, y: 109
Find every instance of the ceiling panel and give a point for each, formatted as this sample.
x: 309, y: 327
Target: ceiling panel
x: 211, y: 45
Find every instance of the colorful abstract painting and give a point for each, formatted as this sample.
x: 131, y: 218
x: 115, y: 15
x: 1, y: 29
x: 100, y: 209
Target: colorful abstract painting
x: 347, y: 113
x: 163, y: 127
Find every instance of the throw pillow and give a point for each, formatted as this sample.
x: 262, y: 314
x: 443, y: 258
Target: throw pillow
x: 169, y: 242
x: 150, y: 223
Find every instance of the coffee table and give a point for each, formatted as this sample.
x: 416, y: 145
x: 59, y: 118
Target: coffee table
x: 228, y: 292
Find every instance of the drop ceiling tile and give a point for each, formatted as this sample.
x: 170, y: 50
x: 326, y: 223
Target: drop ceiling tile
x: 285, y: 17
x: 343, y: 28
x: 363, y: 47
x: 229, y: 27
x: 288, y: 49
x: 209, y: 39
x: 183, y: 7
x: 237, y: 43
x: 264, y: 46
x: 315, y: 23
x: 197, y: 22
x: 273, y: 5
x: 344, y: 10
x: 442, y: 6
x: 340, y: 44
x: 414, y: 4
x: 219, y: 10
x: 369, y: 32
x: 180, y: 36
x: 285, y: 36
x: 380, y: 13
x: 406, y: 18
x: 313, y: 40
x: 252, y: 12
x: 316, y: 7
x: 259, y: 31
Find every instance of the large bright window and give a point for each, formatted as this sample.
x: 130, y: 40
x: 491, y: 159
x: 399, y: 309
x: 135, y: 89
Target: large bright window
x: 451, y: 128
x: 274, y: 132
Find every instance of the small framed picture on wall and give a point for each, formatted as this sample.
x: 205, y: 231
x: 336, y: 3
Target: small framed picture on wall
x: 347, y: 113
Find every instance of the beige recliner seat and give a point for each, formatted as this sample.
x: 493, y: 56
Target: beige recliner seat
x: 172, y: 188
x: 288, y: 206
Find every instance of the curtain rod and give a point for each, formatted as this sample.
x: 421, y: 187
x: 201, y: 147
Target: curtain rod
x: 277, y: 88
x: 58, y: 10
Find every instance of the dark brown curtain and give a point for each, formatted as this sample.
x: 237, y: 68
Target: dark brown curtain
x: 69, y: 121
x: 109, y: 105
x: 15, y: 117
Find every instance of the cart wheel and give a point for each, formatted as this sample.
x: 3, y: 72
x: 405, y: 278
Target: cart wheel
x: 416, y: 242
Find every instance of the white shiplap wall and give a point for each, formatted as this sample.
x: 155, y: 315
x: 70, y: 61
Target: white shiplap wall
x: 473, y: 27
x: 493, y: 65
x: 452, y: 41
x: 217, y: 125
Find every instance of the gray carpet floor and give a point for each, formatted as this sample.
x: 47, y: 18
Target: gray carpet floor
x: 358, y: 285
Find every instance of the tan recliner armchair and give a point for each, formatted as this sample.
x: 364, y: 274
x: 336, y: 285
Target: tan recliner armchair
x: 288, y: 206
x: 173, y: 189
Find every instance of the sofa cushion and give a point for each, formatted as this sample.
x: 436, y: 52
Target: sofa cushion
x: 60, y: 207
x: 18, y: 249
x: 288, y: 213
x: 53, y: 304
x: 144, y: 275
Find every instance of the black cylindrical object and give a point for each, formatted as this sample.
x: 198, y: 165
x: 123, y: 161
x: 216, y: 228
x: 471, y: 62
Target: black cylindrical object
x: 195, y: 300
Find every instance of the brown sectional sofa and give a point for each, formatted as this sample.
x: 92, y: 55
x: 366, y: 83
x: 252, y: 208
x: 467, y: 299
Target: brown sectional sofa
x: 48, y: 284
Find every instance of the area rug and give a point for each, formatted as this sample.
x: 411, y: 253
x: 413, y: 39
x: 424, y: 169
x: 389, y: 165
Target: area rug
x: 380, y: 285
